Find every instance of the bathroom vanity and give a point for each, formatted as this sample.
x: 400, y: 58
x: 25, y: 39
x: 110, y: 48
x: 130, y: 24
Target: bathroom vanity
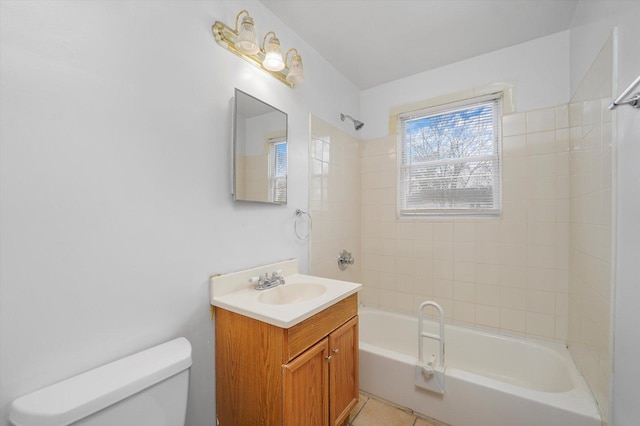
x: 282, y: 371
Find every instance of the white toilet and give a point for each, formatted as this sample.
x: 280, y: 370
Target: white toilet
x: 149, y: 388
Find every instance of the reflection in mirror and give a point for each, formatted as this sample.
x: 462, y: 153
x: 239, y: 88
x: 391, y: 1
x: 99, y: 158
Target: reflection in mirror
x: 259, y: 151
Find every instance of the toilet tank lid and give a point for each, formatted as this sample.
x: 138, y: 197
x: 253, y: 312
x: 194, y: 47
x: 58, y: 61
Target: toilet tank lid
x: 82, y: 395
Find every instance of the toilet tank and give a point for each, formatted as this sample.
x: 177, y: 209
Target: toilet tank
x: 149, y: 388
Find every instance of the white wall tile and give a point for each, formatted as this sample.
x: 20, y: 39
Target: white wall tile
x: 443, y: 269
x: 487, y: 273
x: 542, y: 278
x: 514, y: 124
x: 513, y: 320
x: 488, y: 316
x: 515, y: 211
x: 562, y: 116
x: 541, y: 120
x: 541, y: 256
x: 541, y: 302
x: 584, y: 256
x: 541, y: 233
x: 464, y: 271
x: 464, y: 251
x: 464, y: 291
x: 442, y: 288
x: 488, y: 295
x: 443, y: 231
x: 542, y: 142
x: 513, y: 298
x: 514, y: 146
x: 387, y: 299
x: 513, y: 232
x: 464, y: 312
x: 515, y: 189
x: 488, y: 253
x: 464, y: 231
x: 513, y: 254
x: 563, y: 138
x: 491, y: 273
x: 541, y: 325
x: 404, y: 302
x: 442, y: 250
x: 541, y: 188
x: 541, y: 165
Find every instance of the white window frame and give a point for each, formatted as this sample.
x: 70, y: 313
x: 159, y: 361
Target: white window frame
x: 496, y: 209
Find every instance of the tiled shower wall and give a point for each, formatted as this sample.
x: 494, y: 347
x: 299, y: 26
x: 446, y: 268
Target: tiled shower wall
x: 542, y: 270
x: 508, y: 274
x: 590, y: 279
x: 334, y: 198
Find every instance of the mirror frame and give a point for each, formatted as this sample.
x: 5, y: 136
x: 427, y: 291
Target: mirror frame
x: 236, y: 146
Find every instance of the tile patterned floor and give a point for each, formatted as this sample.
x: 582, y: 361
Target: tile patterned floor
x: 373, y: 412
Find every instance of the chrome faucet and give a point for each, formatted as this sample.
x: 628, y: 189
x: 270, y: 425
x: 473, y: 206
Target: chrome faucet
x: 265, y: 282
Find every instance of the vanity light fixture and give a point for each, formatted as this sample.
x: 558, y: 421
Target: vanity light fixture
x: 242, y: 41
x: 272, y: 53
x: 295, y: 75
x: 247, y: 40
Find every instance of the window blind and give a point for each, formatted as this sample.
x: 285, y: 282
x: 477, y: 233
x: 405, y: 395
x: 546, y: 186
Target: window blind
x: 450, y: 159
x: 278, y: 170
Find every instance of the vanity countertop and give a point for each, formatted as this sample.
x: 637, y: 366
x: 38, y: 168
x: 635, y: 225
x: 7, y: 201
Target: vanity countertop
x: 301, y: 297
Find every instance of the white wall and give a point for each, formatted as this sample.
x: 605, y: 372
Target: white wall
x: 593, y: 23
x: 115, y: 155
x: 538, y: 71
x: 114, y: 158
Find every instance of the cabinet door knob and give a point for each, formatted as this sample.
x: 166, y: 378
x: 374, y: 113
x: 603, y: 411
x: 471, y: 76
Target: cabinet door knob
x: 329, y: 358
x: 335, y: 351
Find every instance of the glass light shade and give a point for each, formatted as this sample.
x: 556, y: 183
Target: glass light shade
x: 273, y: 56
x: 247, y: 41
x: 296, y: 74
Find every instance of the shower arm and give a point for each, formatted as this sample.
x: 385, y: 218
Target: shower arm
x: 634, y: 101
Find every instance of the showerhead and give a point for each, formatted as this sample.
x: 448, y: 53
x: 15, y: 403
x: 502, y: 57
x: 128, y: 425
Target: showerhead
x: 356, y: 123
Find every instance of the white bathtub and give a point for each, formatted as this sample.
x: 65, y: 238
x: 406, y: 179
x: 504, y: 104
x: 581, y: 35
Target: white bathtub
x: 490, y: 380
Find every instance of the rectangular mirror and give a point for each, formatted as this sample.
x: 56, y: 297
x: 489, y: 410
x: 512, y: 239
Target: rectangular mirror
x: 259, y: 151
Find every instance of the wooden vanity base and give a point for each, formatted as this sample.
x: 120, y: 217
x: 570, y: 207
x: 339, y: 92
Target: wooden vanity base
x: 303, y: 375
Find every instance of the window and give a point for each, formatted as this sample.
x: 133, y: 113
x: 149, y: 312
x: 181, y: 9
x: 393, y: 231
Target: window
x: 450, y: 159
x: 278, y: 170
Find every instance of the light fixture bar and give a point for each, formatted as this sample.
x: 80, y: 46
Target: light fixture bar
x: 225, y: 37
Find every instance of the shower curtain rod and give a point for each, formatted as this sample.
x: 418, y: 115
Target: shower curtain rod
x: 634, y: 101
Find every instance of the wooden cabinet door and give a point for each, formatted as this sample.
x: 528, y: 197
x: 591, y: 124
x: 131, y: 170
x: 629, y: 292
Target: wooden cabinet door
x: 306, y: 387
x: 343, y: 371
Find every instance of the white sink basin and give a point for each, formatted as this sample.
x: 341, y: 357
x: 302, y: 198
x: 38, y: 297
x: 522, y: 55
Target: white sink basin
x: 291, y: 293
x: 285, y: 305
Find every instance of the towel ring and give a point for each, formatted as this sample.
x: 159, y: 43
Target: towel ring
x: 299, y: 214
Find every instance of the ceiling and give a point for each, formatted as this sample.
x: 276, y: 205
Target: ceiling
x: 372, y: 42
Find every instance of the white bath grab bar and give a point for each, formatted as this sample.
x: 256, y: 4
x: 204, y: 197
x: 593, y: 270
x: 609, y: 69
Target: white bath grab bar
x: 422, y: 334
